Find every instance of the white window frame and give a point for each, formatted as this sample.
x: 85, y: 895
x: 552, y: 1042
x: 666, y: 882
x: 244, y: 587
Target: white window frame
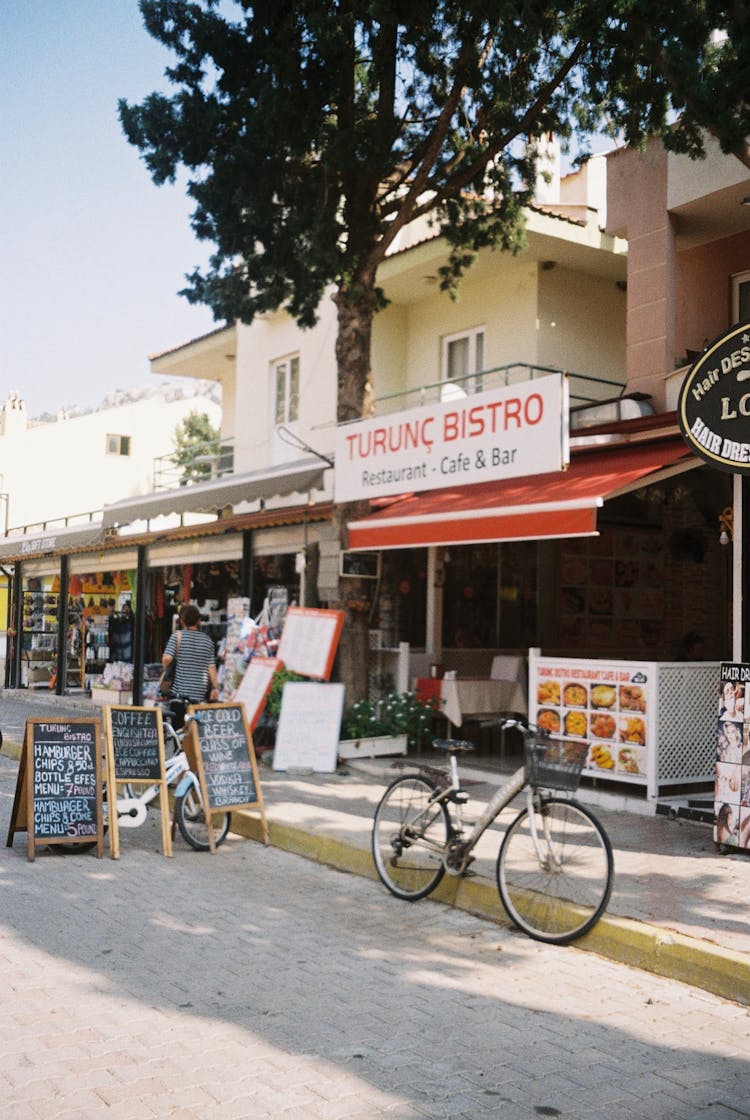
x: 288, y: 367
x: 284, y: 371
x: 472, y: 381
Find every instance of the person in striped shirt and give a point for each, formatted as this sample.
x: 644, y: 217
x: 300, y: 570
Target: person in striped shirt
x: 196, y: 678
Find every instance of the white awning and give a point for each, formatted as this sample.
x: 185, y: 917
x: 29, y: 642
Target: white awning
x: 208, y: 497
x: 29, y: 546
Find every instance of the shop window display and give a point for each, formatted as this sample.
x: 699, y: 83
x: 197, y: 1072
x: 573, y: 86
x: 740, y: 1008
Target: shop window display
x: 655, y: 572
x: 94, y: 604
x: 491, y: 596
x: 401, y: 598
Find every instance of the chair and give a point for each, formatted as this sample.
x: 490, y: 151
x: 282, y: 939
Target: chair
x: 508, y: 667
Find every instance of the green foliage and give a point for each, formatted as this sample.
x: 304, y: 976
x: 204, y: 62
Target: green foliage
x: 197, y: 444
x: 312, y: 132
x: 273, y: 699
x: 397, y: 714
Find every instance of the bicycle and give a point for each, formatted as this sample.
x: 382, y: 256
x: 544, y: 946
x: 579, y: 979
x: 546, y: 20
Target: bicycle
x: 554, y: 869
x: 188, y: 802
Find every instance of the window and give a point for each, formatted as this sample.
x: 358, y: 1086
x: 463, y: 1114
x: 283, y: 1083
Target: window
x: 118, y: 445
x: 285, y: 405
x: 286, y: 376
x: 741, y: 297
x: 463, y: 355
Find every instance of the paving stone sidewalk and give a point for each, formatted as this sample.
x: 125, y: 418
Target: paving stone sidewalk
x: 680, y: 907
x: 255, y: 985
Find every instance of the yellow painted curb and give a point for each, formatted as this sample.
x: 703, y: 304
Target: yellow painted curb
x: 672, y: 955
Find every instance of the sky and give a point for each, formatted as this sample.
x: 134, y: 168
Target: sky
x: 93, y: 254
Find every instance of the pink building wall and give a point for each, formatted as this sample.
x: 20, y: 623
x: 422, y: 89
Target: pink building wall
x: 678, y: 298
x: 637, y: 211
x: 704, y: 295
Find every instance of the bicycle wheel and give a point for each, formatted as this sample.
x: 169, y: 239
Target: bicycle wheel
x: 408, y: 838
x: 191, y: 821
x: 556, y: 893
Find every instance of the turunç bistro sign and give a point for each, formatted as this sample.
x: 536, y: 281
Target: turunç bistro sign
x: 714, y: 404
x: 502, y: 433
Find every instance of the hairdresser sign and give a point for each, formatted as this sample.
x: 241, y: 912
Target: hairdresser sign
x: 502, y: 433
x: 714, y: 403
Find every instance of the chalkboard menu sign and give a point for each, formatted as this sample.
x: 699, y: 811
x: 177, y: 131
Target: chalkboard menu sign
x: 134, y: 740
x: 220, y: 749
x: 136, y: 737
x: 59, y: 790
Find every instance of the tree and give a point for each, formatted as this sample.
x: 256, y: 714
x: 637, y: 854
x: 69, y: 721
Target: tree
x: 196, y: 447
x: 313, y: 132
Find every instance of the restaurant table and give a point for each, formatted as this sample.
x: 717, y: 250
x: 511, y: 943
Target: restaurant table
x: 462, y: 698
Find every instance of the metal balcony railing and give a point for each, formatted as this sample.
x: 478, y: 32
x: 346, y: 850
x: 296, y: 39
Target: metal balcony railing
x: 212, y: 459
x: 52, y: 524
x: 584, y: 389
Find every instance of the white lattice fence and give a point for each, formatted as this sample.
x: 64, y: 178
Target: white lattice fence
x: 687, y: 714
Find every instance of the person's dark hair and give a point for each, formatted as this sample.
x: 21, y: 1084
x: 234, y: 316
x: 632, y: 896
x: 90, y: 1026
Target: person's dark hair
x: 189, y: 615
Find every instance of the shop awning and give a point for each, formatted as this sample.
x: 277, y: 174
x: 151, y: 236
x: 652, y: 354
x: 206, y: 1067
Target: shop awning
x: 208, y: 497
x: 29, y: 546
x: 563, y: 504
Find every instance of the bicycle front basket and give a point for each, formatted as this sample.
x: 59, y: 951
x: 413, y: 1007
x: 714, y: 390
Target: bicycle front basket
x: 554, y: 763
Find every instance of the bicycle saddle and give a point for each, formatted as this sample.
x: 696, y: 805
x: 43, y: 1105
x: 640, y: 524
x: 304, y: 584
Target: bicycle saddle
x: 452, y: 745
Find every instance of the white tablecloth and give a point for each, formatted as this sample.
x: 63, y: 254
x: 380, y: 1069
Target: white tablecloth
x: 475, y: 696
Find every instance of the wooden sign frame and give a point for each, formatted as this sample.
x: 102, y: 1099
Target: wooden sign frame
x: 193, y: 749
x: 255, y: 686
x: 111, y: 717
x: 22, y: 813
x: 309, y: 641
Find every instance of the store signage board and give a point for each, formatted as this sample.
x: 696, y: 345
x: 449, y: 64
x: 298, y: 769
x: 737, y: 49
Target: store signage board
x: 254, y: 686
x: 58, y: 797
x: 612, y: 704
x: 713, y: 408
x: 134, y: 752
x: 219, y: 746
x: 309, y: 727
x: 732, y: 789
x: 309, y: 641
x: 502, y: 433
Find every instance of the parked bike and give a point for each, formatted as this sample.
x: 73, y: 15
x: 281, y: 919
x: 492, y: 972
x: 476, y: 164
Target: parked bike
x: 555, y: 866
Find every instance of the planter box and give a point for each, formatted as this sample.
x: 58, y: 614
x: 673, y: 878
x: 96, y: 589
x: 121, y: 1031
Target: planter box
x: 372, y: 748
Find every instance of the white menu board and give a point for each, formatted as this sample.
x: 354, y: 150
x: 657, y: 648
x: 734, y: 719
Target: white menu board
x: 254, y: 686
x: 309, y: 641
x: 309, y: 726
x: 612, y: 704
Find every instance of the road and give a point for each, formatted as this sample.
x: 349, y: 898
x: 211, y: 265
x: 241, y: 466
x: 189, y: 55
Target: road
x: 254, y: 983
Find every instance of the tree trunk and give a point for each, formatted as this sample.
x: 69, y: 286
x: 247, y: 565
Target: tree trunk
x: 356, y: 310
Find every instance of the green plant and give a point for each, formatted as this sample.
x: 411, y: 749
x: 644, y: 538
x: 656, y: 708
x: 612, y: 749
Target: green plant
x: 273, y: 699
x: 398, y: 713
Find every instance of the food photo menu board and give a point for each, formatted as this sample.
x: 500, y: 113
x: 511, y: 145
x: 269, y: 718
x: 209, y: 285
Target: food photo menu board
x: 732, y: 788
x: 611, y: 704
